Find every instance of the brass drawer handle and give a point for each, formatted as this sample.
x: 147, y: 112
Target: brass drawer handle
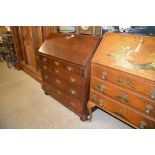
x: 124, y: 97
x: 44, y: 59
x: 104, y: 75
x: 56, y: 63
x: 59, y: 92
x: 45, y: 77
x: 69, y: 68
x: 126, y: 83
x: 100, y: 102
x: 152, y: 94
x: 72, y: 79
x: 148, y: 109
x: 56, y: 71
x: 101, y: 87
x: 96, y: 100
x: 120, y: 114
x: 72, y: 104
x: 57, y: 81
x: 143, y: 124
x: 45, y: 67
x: 73, y: 92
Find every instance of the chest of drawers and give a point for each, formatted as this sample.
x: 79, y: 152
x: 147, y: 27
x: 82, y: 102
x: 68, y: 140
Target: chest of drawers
x: 64, y: 60
x: 123, y: 79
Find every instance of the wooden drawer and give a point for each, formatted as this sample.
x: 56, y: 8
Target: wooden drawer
x: 128, y: 97
x: 121, y: 111
x: 69, y: 102
x: 133, y: 82
x: 60, y: 84
x: 69, y: 67
x: 68, y: 77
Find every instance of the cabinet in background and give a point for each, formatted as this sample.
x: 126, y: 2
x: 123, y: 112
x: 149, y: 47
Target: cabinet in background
x: 27, y: 40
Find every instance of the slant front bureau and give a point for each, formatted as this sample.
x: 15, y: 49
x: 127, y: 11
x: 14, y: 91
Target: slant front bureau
x: 65, y: 68
x: 123, y: 79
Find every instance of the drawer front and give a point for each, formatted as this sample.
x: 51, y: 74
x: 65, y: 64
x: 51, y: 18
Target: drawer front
x: 121, y: 111
x: 68, y: 77
x: 78, y: 70
x: 69, y: 102
x: 128, y: 97
x: 124, y: 79
x: 60, y: 84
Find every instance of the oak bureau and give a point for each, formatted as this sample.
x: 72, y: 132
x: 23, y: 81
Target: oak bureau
x: 64, y: 60
x: 123, y: 79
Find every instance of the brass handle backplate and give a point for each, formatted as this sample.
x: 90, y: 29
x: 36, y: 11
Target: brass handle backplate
x: 59, y: 92
x: 57, y: 81
x: 96, y: 100
x: 69, y: 68
x: 143, y: 124
x: 44, y: 59
x: 56, y: 63
x: 152, y: 94
x: 45, y: 77
x: 148, y: 109
x: 57, y: 71
x: 123, y: 97
x: 101, y: 87
x: 73, y: 92
x: 126, y: 83
x: 104, y: 75
x: 72, y: 79
x: 120, y: 114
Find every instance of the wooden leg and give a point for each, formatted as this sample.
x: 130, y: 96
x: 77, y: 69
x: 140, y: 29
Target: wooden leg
x: 46, y: 93
x: 90, y: 106
x: 83, y: 118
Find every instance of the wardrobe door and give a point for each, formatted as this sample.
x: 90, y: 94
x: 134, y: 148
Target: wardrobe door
x: 21, y: 57
x: 29, y: 47
x: 37, y: 37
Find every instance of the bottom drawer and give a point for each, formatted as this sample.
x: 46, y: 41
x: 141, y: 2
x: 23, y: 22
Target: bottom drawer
x: 69, y: 102
x: 121, y: 111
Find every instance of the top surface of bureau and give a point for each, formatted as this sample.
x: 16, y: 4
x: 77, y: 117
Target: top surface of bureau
x: 134, y: 54
x: 73, y: 48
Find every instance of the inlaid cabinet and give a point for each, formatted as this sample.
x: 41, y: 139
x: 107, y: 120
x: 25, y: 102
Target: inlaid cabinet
x: 123, y: 79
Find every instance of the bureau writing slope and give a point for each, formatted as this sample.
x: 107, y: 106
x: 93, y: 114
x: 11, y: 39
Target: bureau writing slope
x: 123, y: 79
x: 64, y: 60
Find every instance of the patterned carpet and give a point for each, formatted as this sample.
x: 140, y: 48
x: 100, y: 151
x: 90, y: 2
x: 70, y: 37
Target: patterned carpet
x: 23, y: 104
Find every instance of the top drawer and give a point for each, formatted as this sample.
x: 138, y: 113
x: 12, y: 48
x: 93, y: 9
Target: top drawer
x: 136, y: 83
x: 62, y: 65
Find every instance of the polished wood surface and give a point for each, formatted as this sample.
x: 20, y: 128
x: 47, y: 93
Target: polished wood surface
x: 122, y: 79
x: 70, y: 78
x: 77, y: 48
x: 65, y: 69
x: 68, y: 101
x: 126, y: 96
x: 66, y: 66
x: 126, y: 113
